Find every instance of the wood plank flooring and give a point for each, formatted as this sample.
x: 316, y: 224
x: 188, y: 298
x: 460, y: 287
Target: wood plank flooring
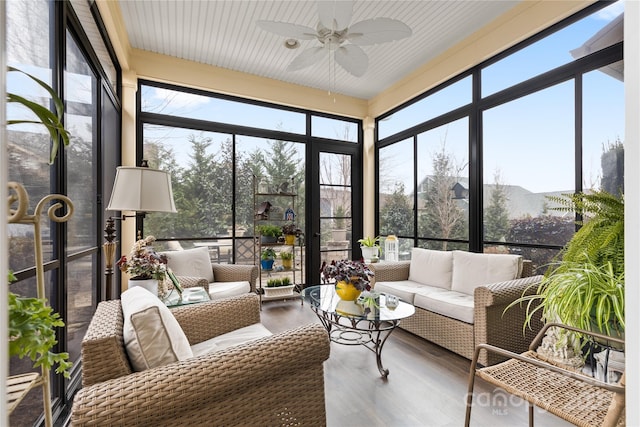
x: 427, y: 384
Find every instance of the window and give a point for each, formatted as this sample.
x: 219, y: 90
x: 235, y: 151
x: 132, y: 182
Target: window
x: 443, y: 184
x: 485, y: 169
x: 447, y: 99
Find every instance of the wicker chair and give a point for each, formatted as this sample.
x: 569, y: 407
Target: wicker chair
x: 570, y: 395
x: 278, y: 380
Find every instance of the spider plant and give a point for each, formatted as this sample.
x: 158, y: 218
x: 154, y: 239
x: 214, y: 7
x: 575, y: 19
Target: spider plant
x: 581, y: 294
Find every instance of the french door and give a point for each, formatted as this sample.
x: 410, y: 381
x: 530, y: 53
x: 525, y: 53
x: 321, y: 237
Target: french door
x: 334, y: 210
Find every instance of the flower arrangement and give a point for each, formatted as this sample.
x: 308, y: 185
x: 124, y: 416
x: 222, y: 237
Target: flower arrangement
x: 355, y: 272
x: 143, y: 262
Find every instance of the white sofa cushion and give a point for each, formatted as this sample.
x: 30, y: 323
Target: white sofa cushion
x: 219, y: 290
x: 403, y: 289
x: 471, y: 270
x: 152, y: 335
x: 429, y: 267
x: 456, y: 305
x: 239, y: 336
x: 190, y: 262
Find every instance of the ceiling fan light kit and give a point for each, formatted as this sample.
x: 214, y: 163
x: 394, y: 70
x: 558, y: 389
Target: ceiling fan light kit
x: 336, y: 36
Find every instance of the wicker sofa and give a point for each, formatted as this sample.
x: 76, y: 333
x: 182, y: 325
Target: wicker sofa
x: 276, y: 380
x: 482, y: 318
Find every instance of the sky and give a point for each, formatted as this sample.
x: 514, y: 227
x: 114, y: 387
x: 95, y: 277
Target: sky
x: 521, y: 137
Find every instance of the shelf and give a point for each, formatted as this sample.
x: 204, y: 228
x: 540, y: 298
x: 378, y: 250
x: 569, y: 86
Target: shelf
x: 276, y: 218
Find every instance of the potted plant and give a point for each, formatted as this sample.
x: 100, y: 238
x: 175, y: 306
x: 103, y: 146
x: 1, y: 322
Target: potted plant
x: 144, y: 265
x: 32, y: 326
x: 350, y: 277
x: 370, y: 248
x: 290, y: 231
x: 287, y: 259
x: 585, y: 288
x: 267, y: 258
x: 269, y: 233
x: 279, y: 287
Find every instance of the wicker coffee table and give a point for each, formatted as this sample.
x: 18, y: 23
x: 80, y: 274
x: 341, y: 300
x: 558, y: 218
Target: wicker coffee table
x: 347, y: 322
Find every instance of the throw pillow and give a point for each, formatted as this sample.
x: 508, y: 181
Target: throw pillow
x: 152, y: 335
x: 191, y: 262
x: 430, y: 267
x: 471, y: 270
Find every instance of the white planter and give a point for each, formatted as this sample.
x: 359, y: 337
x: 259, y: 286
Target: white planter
x: 369, y: 252
x: 149, y: 284
x: 278, y: 291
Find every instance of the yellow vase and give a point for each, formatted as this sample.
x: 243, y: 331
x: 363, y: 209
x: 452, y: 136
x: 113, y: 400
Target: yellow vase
x: 347, y: 291
x: 289, y: 239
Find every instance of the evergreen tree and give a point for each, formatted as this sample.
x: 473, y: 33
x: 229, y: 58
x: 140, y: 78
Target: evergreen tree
x: 396, y: 216
x: 496, y: 218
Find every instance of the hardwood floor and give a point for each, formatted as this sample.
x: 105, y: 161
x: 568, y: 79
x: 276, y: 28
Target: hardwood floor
x: 426, y: 386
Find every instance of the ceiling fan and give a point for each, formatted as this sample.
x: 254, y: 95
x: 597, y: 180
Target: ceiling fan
x: 338, y: 37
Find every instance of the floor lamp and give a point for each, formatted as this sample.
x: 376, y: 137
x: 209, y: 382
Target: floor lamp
x: 138, y: 189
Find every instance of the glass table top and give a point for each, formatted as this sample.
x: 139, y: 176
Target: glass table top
x: 189, y: 296
x: 325, y: 298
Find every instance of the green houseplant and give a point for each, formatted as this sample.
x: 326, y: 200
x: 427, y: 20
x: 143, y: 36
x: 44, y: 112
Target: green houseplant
x: 287, y: 259
x: 269, y: 233
x: 267, y: 257
x: 370, y: 248
x: 585, y: 288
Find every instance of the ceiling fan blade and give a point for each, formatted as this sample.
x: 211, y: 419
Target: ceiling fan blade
x: 288, y: 30
x: 378, y: 30
x: 335, y: 15
x: 353, y: 59
x: 307, y: 58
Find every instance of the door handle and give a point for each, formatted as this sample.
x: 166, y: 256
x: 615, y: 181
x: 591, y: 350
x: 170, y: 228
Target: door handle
x: 316, y: 234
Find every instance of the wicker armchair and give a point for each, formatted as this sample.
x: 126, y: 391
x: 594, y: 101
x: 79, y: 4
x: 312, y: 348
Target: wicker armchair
x: 278, y: 380
x: 570, y: 395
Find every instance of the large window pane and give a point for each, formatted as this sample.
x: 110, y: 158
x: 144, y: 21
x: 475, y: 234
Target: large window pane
x: 603, y: 130
x: 194, y: 106
x: 447, y: 99
x: 529, y: 153
x: 334, y: 129
x: 201, y: 170
x: 561, y: 47
x: 396, y: 180
x: 443, y: 182
x: 81, y: 101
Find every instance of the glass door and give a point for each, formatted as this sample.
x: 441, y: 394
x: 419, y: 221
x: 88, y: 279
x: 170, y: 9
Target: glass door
x: 336, y: 206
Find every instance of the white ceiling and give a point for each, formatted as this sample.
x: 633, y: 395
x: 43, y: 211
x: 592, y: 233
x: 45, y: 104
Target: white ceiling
x: 224, y: 34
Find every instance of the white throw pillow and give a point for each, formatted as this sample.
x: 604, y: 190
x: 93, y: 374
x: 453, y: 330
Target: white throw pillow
x: 429, y: 267
x: 152, y: 335
x: 471, y: 270
x: 191, y: 262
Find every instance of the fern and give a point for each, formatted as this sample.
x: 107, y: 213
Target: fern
x: 600, y: 238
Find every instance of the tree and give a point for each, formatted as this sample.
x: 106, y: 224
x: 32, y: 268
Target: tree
x: 396, y: 216
x: 496, y: 218
x: 443, y: 216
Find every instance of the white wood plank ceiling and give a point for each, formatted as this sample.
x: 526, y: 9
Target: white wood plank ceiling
x: 225, y: 34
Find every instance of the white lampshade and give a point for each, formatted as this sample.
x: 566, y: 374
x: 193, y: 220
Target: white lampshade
x: 141, y: 189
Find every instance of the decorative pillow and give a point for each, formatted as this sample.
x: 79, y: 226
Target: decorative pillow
x: 429, y: 267
x: 471, y: 270
x: 152, y: 335
x: 190, y: 262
